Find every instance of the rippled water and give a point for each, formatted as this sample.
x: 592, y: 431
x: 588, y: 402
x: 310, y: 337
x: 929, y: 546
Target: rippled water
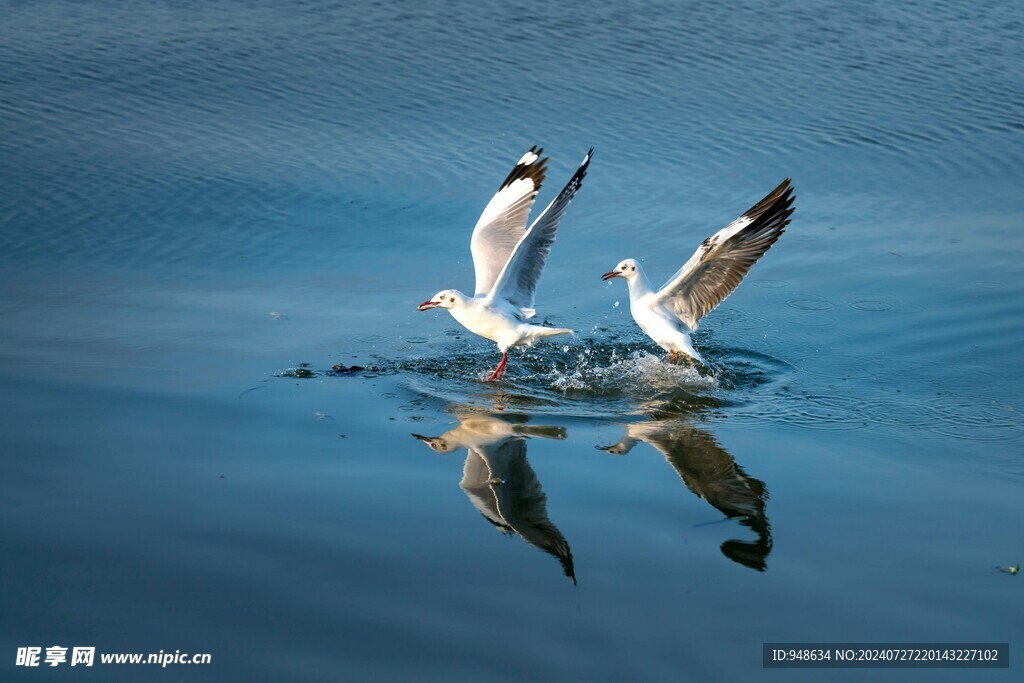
x: 205, y: 208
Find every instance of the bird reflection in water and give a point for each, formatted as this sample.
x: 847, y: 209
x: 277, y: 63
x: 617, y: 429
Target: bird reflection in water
x: 710, y: 472
x: 499, y: 481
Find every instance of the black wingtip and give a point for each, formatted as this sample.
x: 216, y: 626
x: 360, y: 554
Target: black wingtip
x: 783, y: 193
x: 535, y: 170
x: 576, y: 182
x: 582, y: 170
x: 774, y: 210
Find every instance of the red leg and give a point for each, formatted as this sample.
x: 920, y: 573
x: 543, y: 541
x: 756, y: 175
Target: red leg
x: 500, y: 369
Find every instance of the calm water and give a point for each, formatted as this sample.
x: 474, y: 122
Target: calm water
x: 196, y: 200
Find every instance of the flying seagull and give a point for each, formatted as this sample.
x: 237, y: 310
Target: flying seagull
x: 508, y: 259
x: 670, y: 315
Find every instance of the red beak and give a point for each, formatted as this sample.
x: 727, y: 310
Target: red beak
x: 609, y: 275
x: 427, y: 305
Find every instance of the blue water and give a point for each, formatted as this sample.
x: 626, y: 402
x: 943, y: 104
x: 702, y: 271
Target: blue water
x: 204, y: 207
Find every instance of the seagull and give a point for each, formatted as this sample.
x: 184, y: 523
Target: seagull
x: 508, y: 259
x: 499, y: 481
x: 670, y: 315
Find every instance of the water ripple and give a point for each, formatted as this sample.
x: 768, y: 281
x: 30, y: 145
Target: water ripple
x: 211, y: 136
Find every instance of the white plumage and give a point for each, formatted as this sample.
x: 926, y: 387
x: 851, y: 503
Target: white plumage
x: 508, y: 259
x: 670, y: 314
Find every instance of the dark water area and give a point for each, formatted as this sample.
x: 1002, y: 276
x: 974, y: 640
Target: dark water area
x: 205, y: 207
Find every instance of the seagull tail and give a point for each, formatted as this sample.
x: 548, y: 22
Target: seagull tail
x: 542, y: 332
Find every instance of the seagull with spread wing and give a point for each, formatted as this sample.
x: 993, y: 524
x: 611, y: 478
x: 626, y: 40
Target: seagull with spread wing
x: 508, y: 259
x: 670, y: 315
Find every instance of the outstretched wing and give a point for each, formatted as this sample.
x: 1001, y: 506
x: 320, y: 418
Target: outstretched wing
x: 503, y: 221
x: 517, y: 281
x: 721, y: 261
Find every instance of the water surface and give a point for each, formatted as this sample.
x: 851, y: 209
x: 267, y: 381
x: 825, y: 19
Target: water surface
x: 203, y: 208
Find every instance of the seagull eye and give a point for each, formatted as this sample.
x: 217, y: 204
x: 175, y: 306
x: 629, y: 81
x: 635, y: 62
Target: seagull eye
x: 633, y: 268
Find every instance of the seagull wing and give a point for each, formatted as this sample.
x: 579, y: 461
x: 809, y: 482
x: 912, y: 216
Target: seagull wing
x: 722, y: 260
x: 503, y: 221
x: 517, y: 281
x: 476, y: 482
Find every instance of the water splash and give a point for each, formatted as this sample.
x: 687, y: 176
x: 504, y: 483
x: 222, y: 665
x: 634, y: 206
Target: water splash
x: 591, y: 373
x: 619, y: 373
x: 584, y: 378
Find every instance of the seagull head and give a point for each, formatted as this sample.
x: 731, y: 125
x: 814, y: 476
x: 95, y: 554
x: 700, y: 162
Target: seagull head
x: 437, y: 443
x: 448, y: 298
x: 628, y: 269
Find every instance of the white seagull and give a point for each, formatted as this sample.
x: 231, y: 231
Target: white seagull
x: 508, y: 259
x: 670, y: 315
